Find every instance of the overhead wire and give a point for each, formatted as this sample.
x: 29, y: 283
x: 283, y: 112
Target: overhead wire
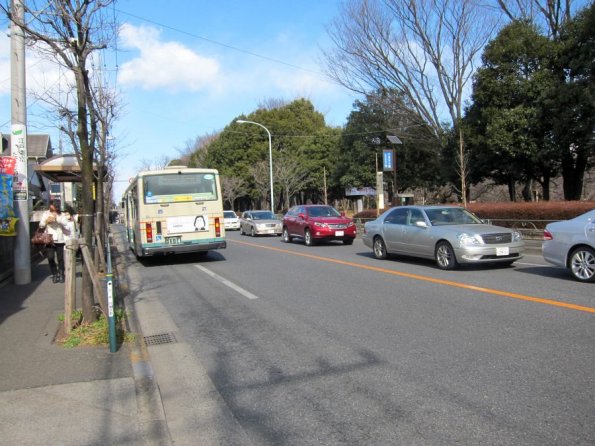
x: 225, y: 45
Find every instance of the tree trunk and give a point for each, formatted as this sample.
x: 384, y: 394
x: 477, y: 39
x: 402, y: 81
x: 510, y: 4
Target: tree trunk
x: 463, y: 166
x: 573, y: 172
x: 545, y: 185
x: 87, y: 183
x: 528, y: 190
x: 511, y: 189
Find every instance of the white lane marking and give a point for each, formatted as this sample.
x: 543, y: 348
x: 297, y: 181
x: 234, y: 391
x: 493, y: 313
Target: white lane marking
x: 226, y: 282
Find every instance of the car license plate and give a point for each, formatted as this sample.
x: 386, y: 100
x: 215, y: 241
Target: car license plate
x: 173, y: 240
x: 339, y: 233
x: 502, y: 251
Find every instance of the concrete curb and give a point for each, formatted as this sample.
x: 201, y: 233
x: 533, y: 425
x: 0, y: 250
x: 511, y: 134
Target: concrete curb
x: 151, y: 415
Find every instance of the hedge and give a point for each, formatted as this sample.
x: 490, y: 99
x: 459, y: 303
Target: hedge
x: 532, y: 211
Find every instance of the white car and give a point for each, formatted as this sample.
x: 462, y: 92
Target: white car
x: 231, y: 222
x: 571, y: 244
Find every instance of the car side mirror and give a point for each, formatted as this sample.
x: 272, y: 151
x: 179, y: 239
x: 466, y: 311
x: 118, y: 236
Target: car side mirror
x: 302, y: 216
x: 342, y: 213
x: 421, y: 224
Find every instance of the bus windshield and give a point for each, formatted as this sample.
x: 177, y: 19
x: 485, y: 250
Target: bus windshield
x: 179, y: 188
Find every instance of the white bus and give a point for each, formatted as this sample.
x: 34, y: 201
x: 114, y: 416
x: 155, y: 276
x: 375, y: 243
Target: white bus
x: 174, y: 210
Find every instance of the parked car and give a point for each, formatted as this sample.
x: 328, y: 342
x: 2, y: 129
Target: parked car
x: 450, y: 235
x: 260, y: 223
x: 315, y: 223
x: 231, y: 221
x: 571, y: 244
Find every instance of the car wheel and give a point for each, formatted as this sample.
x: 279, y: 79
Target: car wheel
x: 582, y: 264
x: 445, y: 256
x: 380, y: 249
x: 308, y: 238
x: 286, y: 237
x: 348, y: 241
x: 252, y: 231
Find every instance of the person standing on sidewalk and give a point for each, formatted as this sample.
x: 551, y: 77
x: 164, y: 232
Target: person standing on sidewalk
x: 70, y: 229
x: 54, y: 223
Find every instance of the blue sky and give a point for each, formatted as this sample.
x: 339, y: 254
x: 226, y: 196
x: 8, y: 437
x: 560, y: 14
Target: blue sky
x: 188, y: 68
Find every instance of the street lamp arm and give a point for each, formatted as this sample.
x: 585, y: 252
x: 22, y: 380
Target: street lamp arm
x: 242, y: 121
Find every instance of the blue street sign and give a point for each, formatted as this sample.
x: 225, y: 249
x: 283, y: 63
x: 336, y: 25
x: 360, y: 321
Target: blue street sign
x: 388, y: 159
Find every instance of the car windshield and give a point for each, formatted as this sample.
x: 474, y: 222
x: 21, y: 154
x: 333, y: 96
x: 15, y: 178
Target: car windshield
x: 229, y: 214
x: 264, y: 215
x: 451, y: 216
x: 323, y: 211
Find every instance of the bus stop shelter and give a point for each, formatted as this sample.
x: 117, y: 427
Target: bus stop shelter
x: 61, y: 169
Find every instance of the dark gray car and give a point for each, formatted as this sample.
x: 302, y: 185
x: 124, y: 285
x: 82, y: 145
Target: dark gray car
x: 451, y: 235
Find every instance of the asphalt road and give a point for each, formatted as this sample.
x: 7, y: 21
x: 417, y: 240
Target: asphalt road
x: 327, y: 345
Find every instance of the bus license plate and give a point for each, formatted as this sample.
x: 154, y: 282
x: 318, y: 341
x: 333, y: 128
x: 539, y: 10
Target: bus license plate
x: 339, y: 233
x: 173, y: 240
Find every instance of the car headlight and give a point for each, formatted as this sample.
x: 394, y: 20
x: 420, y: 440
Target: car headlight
x: 517, y: 236
x: 320, y: 225
x: 469, y: 239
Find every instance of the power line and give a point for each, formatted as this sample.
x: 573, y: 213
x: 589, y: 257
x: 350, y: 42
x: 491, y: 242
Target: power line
x: 225, y: 45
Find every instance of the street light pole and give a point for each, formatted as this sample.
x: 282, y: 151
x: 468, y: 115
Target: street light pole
x: 241, y: 121
x: 395, y: 140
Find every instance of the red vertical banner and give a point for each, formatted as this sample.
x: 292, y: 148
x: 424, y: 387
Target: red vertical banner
x: 7, y: 164
x: 7, y: 216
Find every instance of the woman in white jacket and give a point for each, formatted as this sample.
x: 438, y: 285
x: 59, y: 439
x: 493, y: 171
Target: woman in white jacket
x: 55, y: 223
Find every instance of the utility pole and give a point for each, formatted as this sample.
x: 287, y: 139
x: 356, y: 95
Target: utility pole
x: 18, y: 146
x: 325, y: 195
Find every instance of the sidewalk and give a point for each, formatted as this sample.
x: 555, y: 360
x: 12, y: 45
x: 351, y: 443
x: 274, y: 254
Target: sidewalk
x: 80, y: 396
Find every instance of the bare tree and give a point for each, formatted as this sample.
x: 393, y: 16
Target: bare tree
x: 272, y: 103
x: 196, y: 150
x: 424, y: 49
x: 71, y: 31
x: 260, y: 173
x: 106, y: 112
x: 292, y: 176
x: 551, y: 13
x: 153, y: 163
x: 233, y: 187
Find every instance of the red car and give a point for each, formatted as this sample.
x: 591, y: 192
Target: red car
x: 316, y: 223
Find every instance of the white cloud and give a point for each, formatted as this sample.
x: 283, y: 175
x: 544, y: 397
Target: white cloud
x: 45, y: 78
x: 167, y: 65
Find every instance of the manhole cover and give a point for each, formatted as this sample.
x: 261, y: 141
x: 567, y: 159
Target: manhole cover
x: 160, y: 339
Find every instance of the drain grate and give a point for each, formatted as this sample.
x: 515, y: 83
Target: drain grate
x: 160, y: 339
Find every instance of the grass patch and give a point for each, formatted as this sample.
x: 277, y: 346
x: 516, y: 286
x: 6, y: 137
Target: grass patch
x: 96, y: 333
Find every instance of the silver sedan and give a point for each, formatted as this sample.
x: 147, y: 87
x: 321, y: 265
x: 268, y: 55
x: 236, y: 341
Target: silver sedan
x: 260, y: 223
x: 451, y: 235
x: 571, y: 244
